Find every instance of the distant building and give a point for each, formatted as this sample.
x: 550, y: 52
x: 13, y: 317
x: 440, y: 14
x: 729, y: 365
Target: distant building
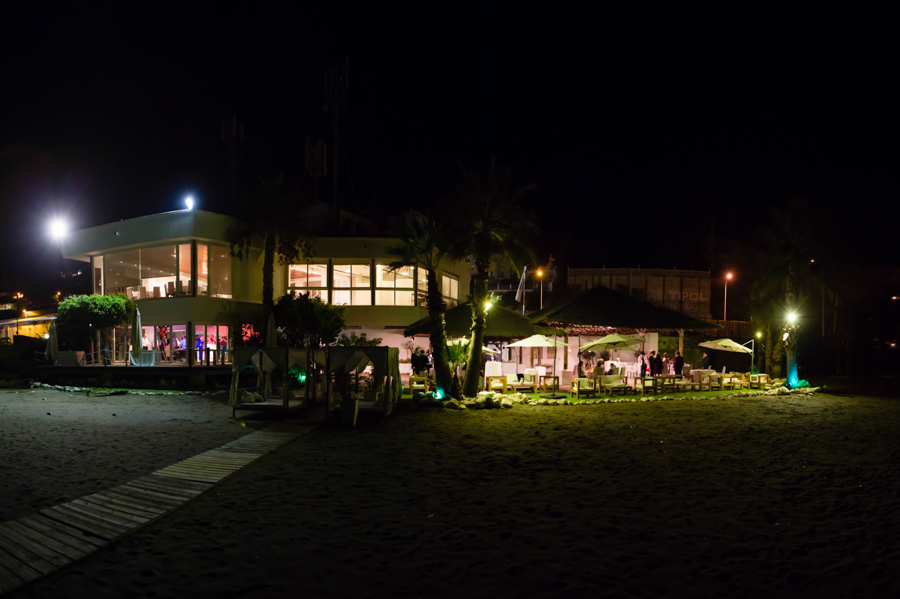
x: 687, y: 291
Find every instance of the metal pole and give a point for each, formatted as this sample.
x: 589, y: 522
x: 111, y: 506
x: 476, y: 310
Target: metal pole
x: 725, y: 315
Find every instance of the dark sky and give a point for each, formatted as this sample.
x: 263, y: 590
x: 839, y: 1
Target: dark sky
x: 640, y: 128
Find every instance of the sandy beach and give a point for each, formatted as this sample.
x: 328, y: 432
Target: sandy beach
x: 752, y: 497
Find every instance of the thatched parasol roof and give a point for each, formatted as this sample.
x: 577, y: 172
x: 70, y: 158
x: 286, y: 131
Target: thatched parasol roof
x: 500, y: 323
x: 603, y: 307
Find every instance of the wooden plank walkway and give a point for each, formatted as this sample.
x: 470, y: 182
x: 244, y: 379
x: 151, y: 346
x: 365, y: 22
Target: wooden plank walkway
x: 36, y: 545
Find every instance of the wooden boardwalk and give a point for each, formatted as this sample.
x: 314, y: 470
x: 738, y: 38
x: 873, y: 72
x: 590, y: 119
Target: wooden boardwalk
x: 36, y: 545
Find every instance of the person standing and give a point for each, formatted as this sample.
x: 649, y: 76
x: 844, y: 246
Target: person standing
x: 658, y: 365
x: 679, y: 363
x: 706, y: 361
x: 651, y: 363
x: 642, y: 360
x: 665, y: 363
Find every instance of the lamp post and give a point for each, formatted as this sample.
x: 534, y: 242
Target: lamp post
x: 725, y: 315
x: 540, y: 274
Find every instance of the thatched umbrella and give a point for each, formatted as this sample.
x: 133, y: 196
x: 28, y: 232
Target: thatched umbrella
x: 500, y: 323
x: 603, y: 307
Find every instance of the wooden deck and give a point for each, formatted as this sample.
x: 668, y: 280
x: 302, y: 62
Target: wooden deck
x: 37, y: 545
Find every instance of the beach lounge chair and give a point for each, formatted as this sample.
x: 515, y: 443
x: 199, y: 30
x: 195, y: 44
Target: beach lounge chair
x: 550, y: 383
x: 645, y: 385
x: 758, y: 381
x: 715, y: 382
x: 705, y: 382
x: 611, y: 383
x: 686, y: 384
x: 418, y: 384
x: 496, y: 383
x: 583, y: 388
x: 512, y: 381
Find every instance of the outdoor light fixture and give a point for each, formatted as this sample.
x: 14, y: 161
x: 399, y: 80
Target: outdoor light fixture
x: 540, y: 274
x: 189, y: 201
x: 792, y: 317
x: 487, y: 306
x: 58, y: 229
x: 725, y: 312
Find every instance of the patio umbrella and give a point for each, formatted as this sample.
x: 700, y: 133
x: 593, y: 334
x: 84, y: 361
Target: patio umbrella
x: 614, y: 341
x: 541, y: 341
x: 533, y: 341
x: 136, y: 334
x: 52, y: 344
x: 726, y: 345
x: 264, y: 380
x: 484, y: 348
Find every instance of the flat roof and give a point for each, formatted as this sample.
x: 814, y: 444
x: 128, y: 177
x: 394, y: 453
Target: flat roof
x: 146, y: 230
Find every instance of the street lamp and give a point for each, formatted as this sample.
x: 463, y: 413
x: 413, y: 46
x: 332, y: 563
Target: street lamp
x: 541, y: 277
x: 189, y: 201
x: 725, y: 315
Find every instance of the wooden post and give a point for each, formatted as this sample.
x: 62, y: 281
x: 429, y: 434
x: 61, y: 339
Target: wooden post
x: 681, y: 342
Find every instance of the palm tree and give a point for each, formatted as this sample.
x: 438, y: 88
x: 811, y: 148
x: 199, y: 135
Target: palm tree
x: 489, y: 219
x: 790, y: 248
x: 424, y: 248
x: 274, y: 218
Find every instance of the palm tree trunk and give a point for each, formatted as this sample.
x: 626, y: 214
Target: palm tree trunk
x: 268, y: 273
x: 442, y: 375
x: 473, y: 364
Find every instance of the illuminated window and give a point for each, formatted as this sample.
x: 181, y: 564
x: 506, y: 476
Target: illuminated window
x: 351, y: 285
x: 450, y: 290
x: 394, y: 288
x: 422, y: 286
x: 213, y: 270
x: 309, y: 278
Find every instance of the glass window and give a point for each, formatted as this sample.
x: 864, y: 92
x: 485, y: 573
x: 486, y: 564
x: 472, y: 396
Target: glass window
x: 422, y: 286
x: 98, y: 274
x: 450, y: 290
x: 185, y: 272
x: 304, y: 276
x: 352, y: 285
x: 219, y: 271
x: 202, y: 269
x: 399, y: 282
x: 158, y: 271
x: 144, y: 274
x: 122, y: 273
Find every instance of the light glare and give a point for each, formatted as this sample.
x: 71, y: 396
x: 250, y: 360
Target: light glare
x: 190, y: 202
x: 58, y: 229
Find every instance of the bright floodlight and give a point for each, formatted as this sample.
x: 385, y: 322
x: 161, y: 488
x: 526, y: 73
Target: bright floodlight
x: 728, y: 276
x: 758, y: 335
x: 58, y: 229
x: 792, y: 317
x: 190, y: 202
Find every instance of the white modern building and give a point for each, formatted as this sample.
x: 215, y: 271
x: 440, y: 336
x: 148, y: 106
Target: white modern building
x: 193, y: 294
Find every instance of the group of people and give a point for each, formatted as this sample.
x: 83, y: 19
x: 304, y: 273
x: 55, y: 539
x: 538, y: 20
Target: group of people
x: 420, y: 362
x: 656, y: 364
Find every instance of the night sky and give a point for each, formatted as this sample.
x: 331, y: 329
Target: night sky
x: 639, y: 128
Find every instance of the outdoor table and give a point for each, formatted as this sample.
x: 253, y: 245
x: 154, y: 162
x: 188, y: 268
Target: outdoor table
x: 493, y: 369
x: 696, y: 374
